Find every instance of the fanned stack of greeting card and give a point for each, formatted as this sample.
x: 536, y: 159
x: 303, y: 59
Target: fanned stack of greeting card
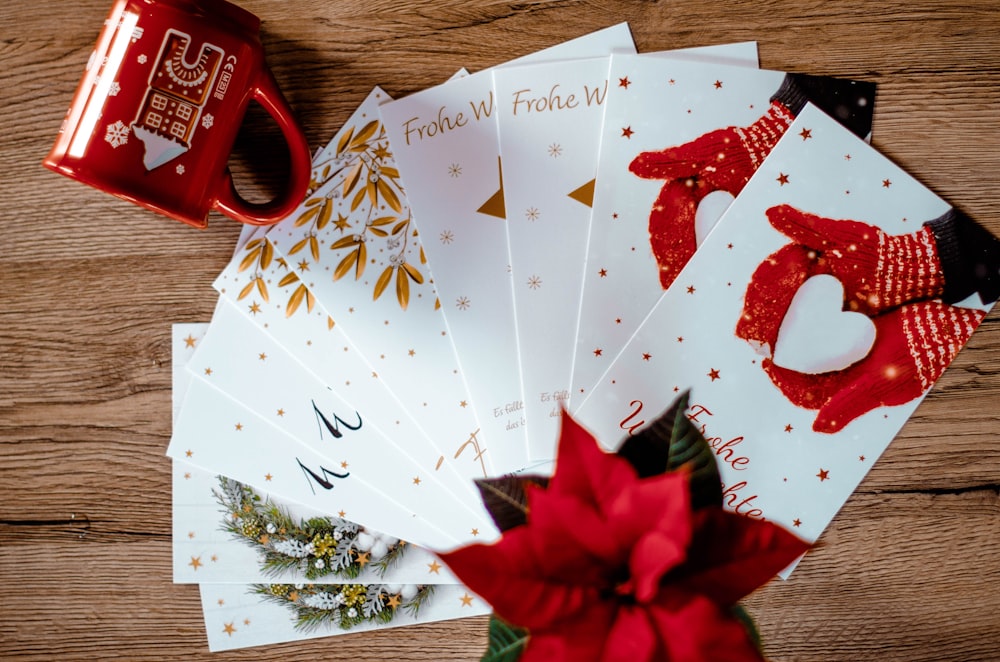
x: 584, y: 229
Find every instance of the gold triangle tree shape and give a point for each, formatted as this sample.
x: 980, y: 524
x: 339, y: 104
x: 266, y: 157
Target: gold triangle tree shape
x: 495, y: 205
x: 584, y: 194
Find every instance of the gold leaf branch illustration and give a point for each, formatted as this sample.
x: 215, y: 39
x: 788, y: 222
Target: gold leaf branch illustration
x: 259, y: 254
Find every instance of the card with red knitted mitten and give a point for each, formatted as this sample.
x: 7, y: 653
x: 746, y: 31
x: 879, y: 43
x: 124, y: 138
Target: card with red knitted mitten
x: 550, y: 116
x: 809, y: 325
x: 680, y: 139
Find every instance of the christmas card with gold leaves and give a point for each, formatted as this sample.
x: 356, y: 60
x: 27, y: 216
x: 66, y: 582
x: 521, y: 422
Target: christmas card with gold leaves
x: 550, y: 116
x: 809, y: 325
x: 298, y: 273
x: 680, y: 140
x: 242, y: 364
x: 444, y: 141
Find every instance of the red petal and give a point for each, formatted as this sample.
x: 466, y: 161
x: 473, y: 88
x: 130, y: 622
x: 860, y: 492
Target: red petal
x: 575, y: 542
x: 651, y: 558
x: 731, y: 555
x: 633, y: 637
x: 508, y: 575
x: 579, y: 639
x: 583, y: 468
x: 692, y: 627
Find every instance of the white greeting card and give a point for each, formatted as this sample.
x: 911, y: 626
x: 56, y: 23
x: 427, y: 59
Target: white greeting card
x: 445, y: 144
x: 550, y: 116
x: 249, y: 366
x: 826, y: 224
x: 680, y: 138
x: 206, y: 553
x: 352, y: 252
x: 237, y: 617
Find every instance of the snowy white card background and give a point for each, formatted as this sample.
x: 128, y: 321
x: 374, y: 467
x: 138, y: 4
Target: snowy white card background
x: 249, y: 366
x: 550, y: 116
x: 654, y: 103
x: 235, y: 619
x: 204, y: 553
x: 386, y: 310
x: 772, y: 463
x: 445, y: 143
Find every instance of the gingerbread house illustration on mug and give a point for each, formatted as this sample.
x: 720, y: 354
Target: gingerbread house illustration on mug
x: 175, y: 97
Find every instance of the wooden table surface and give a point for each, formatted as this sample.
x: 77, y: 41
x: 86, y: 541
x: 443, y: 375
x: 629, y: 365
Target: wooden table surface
x: 89, y: 286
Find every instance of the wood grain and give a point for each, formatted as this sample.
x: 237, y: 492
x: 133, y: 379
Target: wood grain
x: 89, y: 286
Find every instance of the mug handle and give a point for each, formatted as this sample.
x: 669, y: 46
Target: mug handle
x: 230, y: 203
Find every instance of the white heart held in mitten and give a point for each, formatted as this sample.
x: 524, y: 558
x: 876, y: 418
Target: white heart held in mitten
x: 710, y: 210
x: 817, y: 335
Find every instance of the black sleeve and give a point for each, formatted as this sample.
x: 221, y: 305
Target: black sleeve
x: 970, y: 257
x: 850, y: 102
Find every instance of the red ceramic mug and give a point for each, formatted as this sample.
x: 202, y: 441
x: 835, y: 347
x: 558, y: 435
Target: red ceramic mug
x: 158, y: 109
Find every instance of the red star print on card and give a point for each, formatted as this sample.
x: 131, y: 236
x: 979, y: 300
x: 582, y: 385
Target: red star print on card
x: 598, y: 352
x: 782, y: 179
x: 823, y: 475
x: 713, y: 374
x: 627, y: 132
x: 624, y: 82
x: 806, y: 134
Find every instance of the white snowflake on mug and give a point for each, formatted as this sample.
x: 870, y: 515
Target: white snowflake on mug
x: 141, y: 59
x: 114, y: 89
x: 208, y: 120
x: 180, y: 169
x: 117, y: 134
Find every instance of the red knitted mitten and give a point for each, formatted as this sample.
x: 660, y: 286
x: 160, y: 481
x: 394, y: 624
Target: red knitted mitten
x: 879, y: 271
x: 723, y: 159
x: 913, y: 346
x: 770, y: 292
x: 672, y: 226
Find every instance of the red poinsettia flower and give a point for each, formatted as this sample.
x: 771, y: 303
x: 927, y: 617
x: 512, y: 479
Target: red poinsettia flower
x: 609, y: 566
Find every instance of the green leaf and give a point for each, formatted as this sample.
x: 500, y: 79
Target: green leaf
x: 744, y: 617
x: 672, y: 442
x: 506, y: 642
x: 506, y: 498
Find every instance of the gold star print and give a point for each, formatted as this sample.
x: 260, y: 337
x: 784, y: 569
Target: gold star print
x: 475, y: 532
x: 382, y: 151
x: 393, y: 601
x: 466, y: 600
x: 434, y: 567
x: 255, y: 308
x: 239, y: 427
x: 262, y: 356
x: 229, y: 629
x: 343, y: 465
x: 463, y: 404
x: 208, y: 371
x: 214, y: 558
x: 195, y: 562
x: 341, y: 222
x: 281, y: 412
x: 221, y: 602
x: 189, y: 341
x: 268, y: 477
x: 303, y: 266
x: 412, y: 352
x: 187, y: 475
x: 188, y: 453
x: 416, y: 480
x: 191, y: 535
x: 342, y: 514
x: 246, y: 621
x: 363, y: 559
